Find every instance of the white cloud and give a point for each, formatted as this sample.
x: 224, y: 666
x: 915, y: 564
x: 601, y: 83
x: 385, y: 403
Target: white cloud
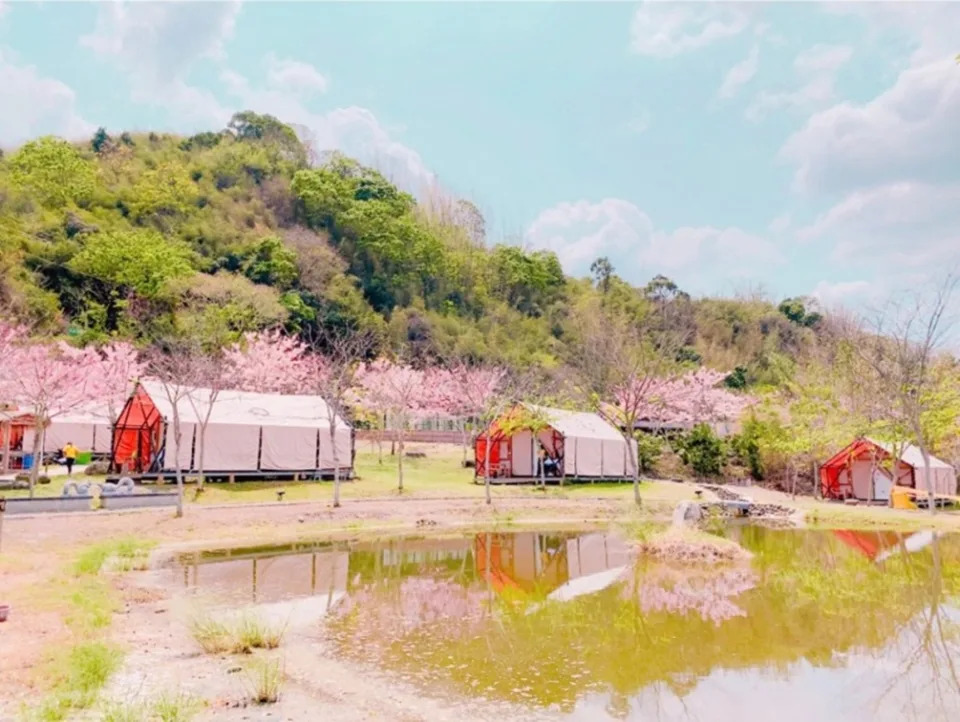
x: 908, y: 132
x: 36, y: 105
x: 158, y: 44
x: 581, y: 231
x: 780, y: 223
x: 160, y: 41
x: 842, y: 293
x: 641, y: 123
x: 899, y: 225
x: 294, y: 76
x: 666, y: 30
x: 740, y: 74
x: 816, y: 69
x: 353, y: 130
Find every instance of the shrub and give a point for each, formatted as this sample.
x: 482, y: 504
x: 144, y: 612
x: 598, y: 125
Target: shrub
x: 702, y: 450
x: 746, y: 445
x: 649, y: 449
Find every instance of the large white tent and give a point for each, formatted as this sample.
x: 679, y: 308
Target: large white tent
x: 88, y: 429
x: 587, y: 446
x: 245, y: 432
x: 864, y: 470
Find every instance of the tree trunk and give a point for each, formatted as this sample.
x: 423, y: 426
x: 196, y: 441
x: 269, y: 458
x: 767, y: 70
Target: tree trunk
x: 201, y: 450
x: 38, y: 427
x: 634, y: 466
x: 543, y: 466
x: 928, y: 479
x: 8, y: 431
x: 793, y: 481
x: 463, y: 438
x: 816, y: 480
x: 400, y: 461
x: 177, y: 435
x: 336, y: 465
x: 486, y: 470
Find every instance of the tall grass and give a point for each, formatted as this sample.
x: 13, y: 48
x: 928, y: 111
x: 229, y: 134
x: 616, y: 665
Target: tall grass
x: 240, y: 635
x: 75, y: 676
x: 165, y: 708
x: 84, y: 669
x: 265, y: 677
x: 126, y: 554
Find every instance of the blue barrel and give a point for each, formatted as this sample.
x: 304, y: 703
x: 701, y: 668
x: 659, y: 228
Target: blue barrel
x: 27, y: 461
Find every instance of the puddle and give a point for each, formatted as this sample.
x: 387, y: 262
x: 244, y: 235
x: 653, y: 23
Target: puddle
x: 815, y: 625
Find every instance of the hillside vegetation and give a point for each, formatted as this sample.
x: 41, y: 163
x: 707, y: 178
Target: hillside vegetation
x: 141, y: 236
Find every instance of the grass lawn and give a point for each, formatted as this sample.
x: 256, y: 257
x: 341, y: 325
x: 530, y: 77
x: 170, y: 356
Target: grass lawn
x: 438, y: 474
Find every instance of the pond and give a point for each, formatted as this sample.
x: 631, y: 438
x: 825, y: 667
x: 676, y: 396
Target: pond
x: 834, y: 626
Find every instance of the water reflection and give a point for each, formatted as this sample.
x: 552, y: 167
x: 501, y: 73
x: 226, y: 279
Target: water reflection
x: 834, y: 626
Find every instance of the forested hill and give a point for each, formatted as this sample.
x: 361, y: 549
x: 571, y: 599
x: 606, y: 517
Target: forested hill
x: 146, y: 235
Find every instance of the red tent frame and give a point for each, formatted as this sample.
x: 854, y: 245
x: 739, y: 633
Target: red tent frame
x: 831, y: 485
x: 502, y: 465
x: 138, y: 434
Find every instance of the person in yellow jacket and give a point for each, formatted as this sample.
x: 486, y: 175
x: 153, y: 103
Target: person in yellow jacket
x: 70, y: 455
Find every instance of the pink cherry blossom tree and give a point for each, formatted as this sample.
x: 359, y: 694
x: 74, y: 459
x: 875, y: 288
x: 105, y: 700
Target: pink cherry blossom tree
x: 468, y: 393
x: 9, y: 335
x: 332, y: 375
x: 47, y: 380
x: 698, y: 397
x: 401, y: 390
x: 268, y: 362
x: 119, y: 369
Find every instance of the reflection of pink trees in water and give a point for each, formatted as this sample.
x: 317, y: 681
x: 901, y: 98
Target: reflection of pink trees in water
x: 706, y: 592
x: 385, y: 612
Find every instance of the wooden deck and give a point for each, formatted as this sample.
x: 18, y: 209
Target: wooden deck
x: 551, y: 480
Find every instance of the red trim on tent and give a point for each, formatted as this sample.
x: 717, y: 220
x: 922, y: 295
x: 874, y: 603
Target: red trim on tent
x: 835, y: 485
x: 137, y: 435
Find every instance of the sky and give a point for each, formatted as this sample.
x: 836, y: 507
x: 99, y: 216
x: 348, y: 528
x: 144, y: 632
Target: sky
x: 799, y: 148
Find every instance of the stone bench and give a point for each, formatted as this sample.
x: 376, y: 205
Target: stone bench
x: 137, y: 501
x: 48, y: 504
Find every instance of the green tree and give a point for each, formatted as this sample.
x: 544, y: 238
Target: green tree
x: 53, y: 171
x: 602, y: 270
x: 271, y: 263
x: 163, y: 192
x: 100, y: 140
x: 254, y: 127
x: 141, y: 261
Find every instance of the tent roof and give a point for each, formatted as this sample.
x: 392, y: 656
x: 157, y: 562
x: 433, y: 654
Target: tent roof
x: 245, y: 408
x: 98, y: 415
x: 582, y: 424
x: 910, y: 455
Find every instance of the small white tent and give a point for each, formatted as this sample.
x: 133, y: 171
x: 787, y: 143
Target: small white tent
x: 586, y: 445
x: 246, y: 432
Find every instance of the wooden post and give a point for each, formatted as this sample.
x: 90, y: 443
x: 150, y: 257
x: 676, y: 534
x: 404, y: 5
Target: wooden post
x: 232, y: 479
x: 8, y: 431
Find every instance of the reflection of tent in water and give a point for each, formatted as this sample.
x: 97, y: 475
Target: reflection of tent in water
x: 549, y: 562
x: 880, y: 545
x: 269, y: 580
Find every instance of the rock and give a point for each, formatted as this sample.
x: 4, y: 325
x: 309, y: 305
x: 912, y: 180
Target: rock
x: 301, y: 519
